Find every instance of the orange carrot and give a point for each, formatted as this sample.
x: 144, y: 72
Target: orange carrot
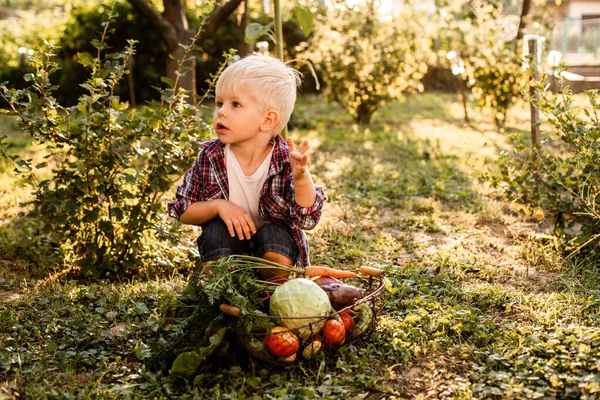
x: 231, y: 310
x: 370, y: 271
x: 326, y: 271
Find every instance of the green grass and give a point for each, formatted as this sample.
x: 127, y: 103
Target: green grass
x: 483, y: 305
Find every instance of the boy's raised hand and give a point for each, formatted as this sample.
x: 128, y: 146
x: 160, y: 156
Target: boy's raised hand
x: 298, y: 158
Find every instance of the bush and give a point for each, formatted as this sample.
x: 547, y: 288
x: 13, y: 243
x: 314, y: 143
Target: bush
x: 367, y: 62
x: 19, y: 35
x: 110, y: 163
x: 492, y: 62
x: 149, y: 61
x: 564, y: 185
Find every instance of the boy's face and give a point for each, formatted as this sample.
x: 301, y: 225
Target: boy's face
x: 237, y: 119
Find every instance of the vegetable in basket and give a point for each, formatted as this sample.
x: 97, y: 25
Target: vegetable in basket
x: 341, y: 295
x: 281, y: 342
x: 312, y: 349
x: 347, y: 320
x: 364, y: 319
x: 334, y: 332
x: 302, y: 304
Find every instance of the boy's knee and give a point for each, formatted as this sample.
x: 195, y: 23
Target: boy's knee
x: 274, y: 273
x: 278, y: 258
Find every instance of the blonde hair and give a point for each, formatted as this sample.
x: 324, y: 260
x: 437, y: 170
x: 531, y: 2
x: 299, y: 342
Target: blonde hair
x: 271, y: 82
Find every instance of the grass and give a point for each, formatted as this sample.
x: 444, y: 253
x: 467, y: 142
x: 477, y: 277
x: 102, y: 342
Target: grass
x: 483, y: 305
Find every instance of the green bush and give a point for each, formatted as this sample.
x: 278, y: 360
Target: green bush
x: 365, y: 60
x: 563, y: 183
x: 492, y: 60
x: 22, y: 33
x: 149, y: 60
x: 110, y: 163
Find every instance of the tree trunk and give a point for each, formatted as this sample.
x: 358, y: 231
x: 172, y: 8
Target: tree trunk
x: 363, y: 115
x: 175, y: 15
x: 243, y: 20
x: 187, y: 72
x: 523, y: 19
x: 173, y: 28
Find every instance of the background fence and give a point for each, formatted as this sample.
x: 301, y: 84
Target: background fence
x: 578, y: 40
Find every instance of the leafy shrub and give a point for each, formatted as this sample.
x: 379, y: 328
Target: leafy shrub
x: 492, y: 61
x: 367, y: 61
x: 150, y: 59
x: 21, y: 33
x: 149, y: 62
x: 110, y: 164
x: 563, y: 183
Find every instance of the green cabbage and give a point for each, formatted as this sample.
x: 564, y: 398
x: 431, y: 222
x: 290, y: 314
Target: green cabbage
x: 301, y: 298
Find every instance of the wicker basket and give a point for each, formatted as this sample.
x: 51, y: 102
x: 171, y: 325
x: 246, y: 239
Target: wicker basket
x: 253, y: 343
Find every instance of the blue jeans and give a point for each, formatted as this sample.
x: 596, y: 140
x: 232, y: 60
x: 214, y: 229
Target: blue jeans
x: 215, y: 242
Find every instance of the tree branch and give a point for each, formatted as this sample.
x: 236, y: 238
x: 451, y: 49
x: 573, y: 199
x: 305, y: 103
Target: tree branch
x: 218, y: 16
x: 167, y: 31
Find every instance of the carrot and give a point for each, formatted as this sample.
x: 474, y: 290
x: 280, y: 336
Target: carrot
x: 326, y: 271
x: 231, y: 310
x: 370, y: 271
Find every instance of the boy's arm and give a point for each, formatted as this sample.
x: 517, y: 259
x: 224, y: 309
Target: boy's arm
x: 308, y: 217
x: 305, y: 192
x: 309, y: 198
x: 237, y: 220
x: 194, y: 208
x: 200, y: 212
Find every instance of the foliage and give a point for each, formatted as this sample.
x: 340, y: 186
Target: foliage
x: 564, y: 184
x: 191, y: 327
x: 20, y: 34
x: 148, y: 63
x: 552, y: 363
x: 462, y: 320
x: 110, y: 164
x: 367, y: 61
x: 490, y: 58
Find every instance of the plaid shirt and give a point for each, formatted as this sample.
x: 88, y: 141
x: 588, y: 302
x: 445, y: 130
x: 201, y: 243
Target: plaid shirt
x: 207, y: 180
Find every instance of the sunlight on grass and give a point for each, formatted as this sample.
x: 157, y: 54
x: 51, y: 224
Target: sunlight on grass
x: 481, y: 303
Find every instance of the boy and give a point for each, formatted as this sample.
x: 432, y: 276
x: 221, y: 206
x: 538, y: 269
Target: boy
x: 249, y: 190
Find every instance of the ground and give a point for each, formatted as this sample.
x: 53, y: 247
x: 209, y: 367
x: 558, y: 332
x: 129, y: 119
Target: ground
x: 483, y: 304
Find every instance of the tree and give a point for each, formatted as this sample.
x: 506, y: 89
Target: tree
x: 525, y: 8
x: 492, y: 67
x: 368, y: 61
x: 173, y: 27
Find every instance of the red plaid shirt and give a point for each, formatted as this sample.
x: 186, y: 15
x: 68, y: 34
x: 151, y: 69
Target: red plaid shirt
x: 207, y: 180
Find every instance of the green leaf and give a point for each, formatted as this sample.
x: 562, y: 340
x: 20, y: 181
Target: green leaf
x: 305, y: 18
x: 186, y: 364
x: 255, y: 30
x: 85, y: 59
x: 106, y: 227
x: 168, y: 81
x: 142, y: 351
x: 118, y: 106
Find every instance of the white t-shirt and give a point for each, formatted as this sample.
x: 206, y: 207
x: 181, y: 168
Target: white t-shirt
x: 244, y: 191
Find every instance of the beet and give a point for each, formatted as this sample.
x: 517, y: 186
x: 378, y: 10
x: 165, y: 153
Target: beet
x: 326, y: 280
x: 342, y: 295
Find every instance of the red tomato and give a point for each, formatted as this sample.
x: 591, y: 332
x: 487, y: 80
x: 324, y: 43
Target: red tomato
x: 334, y: 332
x: 282, y: 342
x: 347, y: 320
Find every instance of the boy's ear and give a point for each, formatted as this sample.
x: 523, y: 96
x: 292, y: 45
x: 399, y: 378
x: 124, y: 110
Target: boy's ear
x: 270, y: 119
